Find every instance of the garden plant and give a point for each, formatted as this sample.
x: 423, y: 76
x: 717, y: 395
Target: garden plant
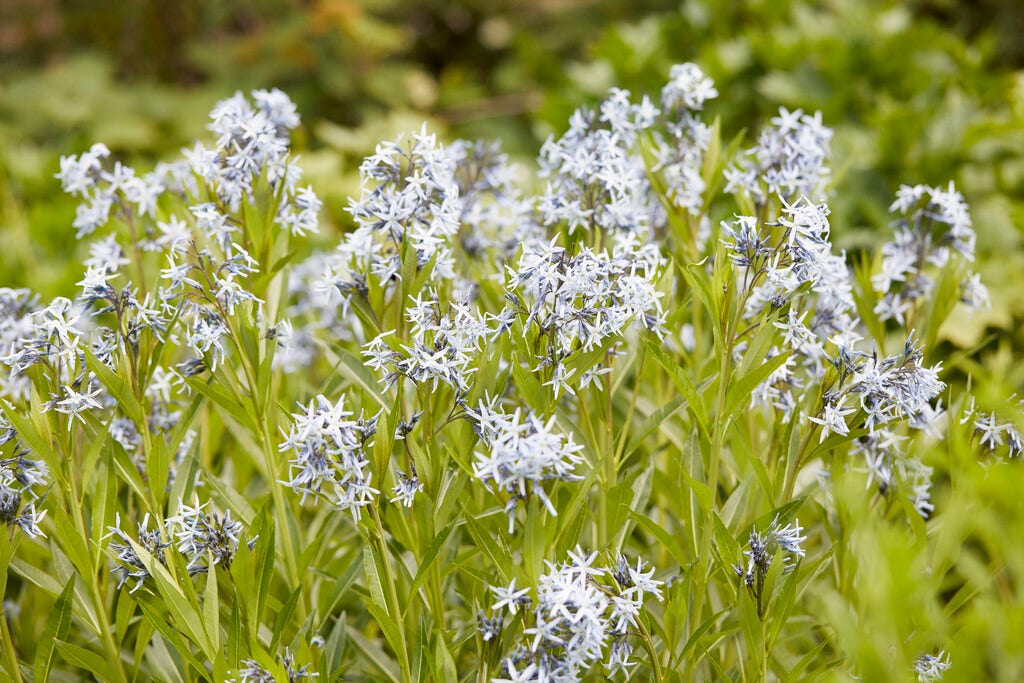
x: 625, y: 414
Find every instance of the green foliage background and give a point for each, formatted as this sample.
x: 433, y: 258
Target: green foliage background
x: 919, y: 92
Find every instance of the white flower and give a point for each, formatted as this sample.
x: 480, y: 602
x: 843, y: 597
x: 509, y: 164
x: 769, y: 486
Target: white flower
x: 931, y: 668
x: 789, y: 159
x: 199, y: 532
x: 934, y: 224
x: 207, y: 337
x: 406, y: 489
x: 79, y: 173
x: 74, y: 403
x: 521, y: 454
x: 578, y: 619
x: 833, y: 418
x: 990, y: 430
x: 510, y: 597
x: 687, y: 87
x: 328, y: 447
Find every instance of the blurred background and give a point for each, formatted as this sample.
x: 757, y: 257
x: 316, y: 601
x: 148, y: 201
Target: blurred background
x: 918, y: 92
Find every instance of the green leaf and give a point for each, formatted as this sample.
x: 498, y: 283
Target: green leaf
x: 741, y: 389
x: 698, y: 281
x: 72, y: 543
x: 493, y: 547
x: 56, y: 628
x: 430, y: 556
x: 223, y: 400
x: 705, y: 498
x: 682, y: 381
x: 88, y: 660
x: 264, y: 558
x: 444, y: 663
x: 375, y: 654
x: 351, y: 367
x: 334, y: 649
x: 123, y: 616
x: 534, y: 539
x: 117, y: 386
x: 35, y: 576
x: 753, y: 634
x: 668, y: 541
x: 651, y: 424
x: 157, y: 619
x: 726, y: 542
x: 232, y: 498
x: 211, y: 609
x: 345, y: 582
x: 530, y: 388
x: 184, y: 608
x: 38, y: 443
x: 284, y: 617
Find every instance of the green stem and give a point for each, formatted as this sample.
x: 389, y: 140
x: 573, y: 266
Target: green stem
x: 9, y: 654
x: 392, y: 598
x: 718, y: 436
x: 113, y: 653
x: 611, y: 464
x: 648, y: 644
x: 794, y: 464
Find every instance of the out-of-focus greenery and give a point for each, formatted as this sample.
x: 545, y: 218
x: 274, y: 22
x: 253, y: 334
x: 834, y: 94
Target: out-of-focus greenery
x: 141, y: 76
x: 917, y: 92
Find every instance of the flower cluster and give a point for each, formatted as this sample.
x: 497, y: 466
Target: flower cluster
x: 679, y: 153
x: 410, y: 198
x: 934, y: 224
x: 104, y: 191
x: 521, y: 454
x: 129, y: 564
x: 253, y: 672
x: 931, y: 668
x: 252, y: 146
x: 992, y: 432
x: 578, y: 301
x: 454, y: 285
x: 495, y: 216
x: 596, y: 176
x: 51, y: 337
x: 583, y: 614
x: 789, y: 160
x: 443, y: 344
x: 117, y: 318
x: 763, y: 548
x: 330, y: 461
x: 19, y: 478
x: 793, y: 272
x: 594, y: 179
x: 201, y: 534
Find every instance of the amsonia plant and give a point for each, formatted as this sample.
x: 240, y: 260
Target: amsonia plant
x: 633, y: 417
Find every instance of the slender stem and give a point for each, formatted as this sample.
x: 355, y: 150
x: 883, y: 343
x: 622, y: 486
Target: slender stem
x: 611, y: 463
x: 10, y: 656
x: 385, y: 556
x: 136, y: 249
x: 113, y: 653
x: 712, y: 475
x: 648, y: 644
x: 794, y: 464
